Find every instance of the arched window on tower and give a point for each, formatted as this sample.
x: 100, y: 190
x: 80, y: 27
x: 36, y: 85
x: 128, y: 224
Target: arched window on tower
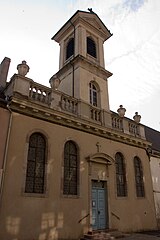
x: 71, y: 169
x: 93, y: 91
x: 35, y: 175
x: 70, y: 48
x: 91, y: 47
x: 139, y: 177
x: 120, y: 175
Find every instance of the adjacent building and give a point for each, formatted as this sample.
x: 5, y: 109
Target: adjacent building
x: 153, y: 136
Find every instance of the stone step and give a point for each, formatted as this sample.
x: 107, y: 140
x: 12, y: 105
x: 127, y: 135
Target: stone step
x: 104, y: 235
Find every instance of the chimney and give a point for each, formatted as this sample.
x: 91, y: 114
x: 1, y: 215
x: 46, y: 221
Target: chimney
x: 4, y: 67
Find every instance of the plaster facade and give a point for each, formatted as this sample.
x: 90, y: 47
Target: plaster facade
x: 53, y: 215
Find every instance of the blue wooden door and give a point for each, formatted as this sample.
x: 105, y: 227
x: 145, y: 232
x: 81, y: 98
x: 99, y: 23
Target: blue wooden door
x: 99, y: 208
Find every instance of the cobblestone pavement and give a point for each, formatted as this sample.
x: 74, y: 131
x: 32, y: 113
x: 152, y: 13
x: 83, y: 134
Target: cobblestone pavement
x: 140, y: 236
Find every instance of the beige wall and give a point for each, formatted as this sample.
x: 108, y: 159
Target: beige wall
x: 55, y: 216
x: 4, y: 119
x: 82, y: 77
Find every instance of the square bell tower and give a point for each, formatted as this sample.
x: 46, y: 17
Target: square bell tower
x: 82, y: 72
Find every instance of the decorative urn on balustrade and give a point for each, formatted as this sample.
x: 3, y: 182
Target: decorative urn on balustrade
x: 54, y: 82
x: 137, y: 117
x: 121, y: 111
x: 23, y: 68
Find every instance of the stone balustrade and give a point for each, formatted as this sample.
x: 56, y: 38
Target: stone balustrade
x: 127, y: 126
x: 95, y: 114
x: 28, y: 88
x: 39, y: 93
x: 69, y: 104
x: 117, y: 123
x: 25, y: 87
x: 134, y: 129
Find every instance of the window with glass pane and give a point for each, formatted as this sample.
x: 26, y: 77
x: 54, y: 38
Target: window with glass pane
x: 91, y: 47
x: 139, y: 177
x: 93, y: 94
x: 70, y: 48
x: 121, y: 176
x: 35, y: 164
x: 70, y: 182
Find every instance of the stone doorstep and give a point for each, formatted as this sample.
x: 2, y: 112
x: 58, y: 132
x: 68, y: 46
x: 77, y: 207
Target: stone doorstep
x: 104, y: 235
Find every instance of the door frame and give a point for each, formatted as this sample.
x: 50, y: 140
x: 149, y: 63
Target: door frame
x: 98, y: 170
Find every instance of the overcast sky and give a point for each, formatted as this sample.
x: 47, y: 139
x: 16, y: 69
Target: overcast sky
x: 132, y: 54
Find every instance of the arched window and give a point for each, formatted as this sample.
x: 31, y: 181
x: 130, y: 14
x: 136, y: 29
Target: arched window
x: 120, y: 176
x: 139, y: 177
x: 70, y: 180
x: 91, y: 47
x: 70, y: 48
x: 93, y: 94
x: 35, y: 175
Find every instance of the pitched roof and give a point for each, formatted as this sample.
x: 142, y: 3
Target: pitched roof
x: 91, y: 13
x: 153, y: 136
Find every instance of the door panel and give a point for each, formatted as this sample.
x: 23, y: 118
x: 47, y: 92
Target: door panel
x: 94, y: 209
x: 99, y: 207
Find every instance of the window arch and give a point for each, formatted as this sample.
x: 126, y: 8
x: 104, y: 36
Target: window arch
x: 93, y: 92
x: 91, y: 47
x: 70, y: 48
x: 139, y: 177
x: 70, y: 179
x: 120, y: 175
x: 35, y: 174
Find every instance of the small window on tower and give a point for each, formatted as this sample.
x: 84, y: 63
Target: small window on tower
x: 70, y: 48
x: 93, y: 92
x: 91, y: 47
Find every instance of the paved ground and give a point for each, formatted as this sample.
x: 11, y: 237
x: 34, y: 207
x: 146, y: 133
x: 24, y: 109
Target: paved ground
x: 153, y: 235
x: 140, y: 237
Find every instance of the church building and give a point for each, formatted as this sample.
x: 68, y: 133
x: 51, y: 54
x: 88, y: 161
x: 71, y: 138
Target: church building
x: 70, y: 165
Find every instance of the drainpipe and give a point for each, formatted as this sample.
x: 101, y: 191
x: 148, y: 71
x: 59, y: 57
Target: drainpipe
x: 5, y: 154
x: 73, y: 63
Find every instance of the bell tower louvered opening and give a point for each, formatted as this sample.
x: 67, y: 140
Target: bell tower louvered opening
x: 91, y: 47
x: 70, y: 48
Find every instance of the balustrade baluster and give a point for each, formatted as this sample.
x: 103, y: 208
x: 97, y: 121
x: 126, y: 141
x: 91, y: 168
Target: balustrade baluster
x: 99, y: 116
x: 62, y: 103
x: 72, y: 106
x: 69, y: 105
x: 31, y: 91
x: 46, y: 99
x: 41, y: 95
x: 36, y: 94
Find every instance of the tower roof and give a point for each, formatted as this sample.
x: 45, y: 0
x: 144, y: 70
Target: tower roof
x: 89, y: 19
